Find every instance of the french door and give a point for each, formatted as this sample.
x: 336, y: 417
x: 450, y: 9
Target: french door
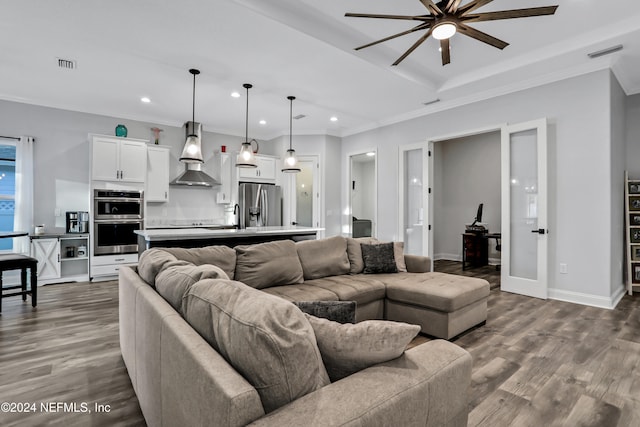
x: 524, y: 208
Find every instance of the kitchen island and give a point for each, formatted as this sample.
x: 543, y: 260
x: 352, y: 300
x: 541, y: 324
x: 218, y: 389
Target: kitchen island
x: 199, y: 237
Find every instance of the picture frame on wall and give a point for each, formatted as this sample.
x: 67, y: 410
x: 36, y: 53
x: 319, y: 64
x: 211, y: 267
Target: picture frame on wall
x: 635, y: 235
x: 635, y: 253
x: 634, y: 203
x: 636, y: 273
x: 634, y: 219
x: 634, y: 188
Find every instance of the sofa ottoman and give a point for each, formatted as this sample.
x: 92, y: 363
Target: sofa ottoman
x: 444, y: 305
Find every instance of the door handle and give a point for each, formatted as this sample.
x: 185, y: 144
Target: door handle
x: 539, y: 231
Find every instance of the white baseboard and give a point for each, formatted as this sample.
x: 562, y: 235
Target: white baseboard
x: 448, y: 257
x: 587, y: 299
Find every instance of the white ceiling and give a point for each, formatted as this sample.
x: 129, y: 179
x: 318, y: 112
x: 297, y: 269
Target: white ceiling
x: 129, y: 49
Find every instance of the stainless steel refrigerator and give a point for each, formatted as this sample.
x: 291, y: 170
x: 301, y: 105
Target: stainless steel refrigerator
x: 260, y: 205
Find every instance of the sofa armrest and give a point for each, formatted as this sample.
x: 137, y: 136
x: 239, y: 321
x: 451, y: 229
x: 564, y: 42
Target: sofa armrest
x: 417, y: 263
x: 427, y: 386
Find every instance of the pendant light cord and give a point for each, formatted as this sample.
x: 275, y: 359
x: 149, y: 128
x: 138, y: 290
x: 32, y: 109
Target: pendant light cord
x: 291, y: 98
x: 193, y: 106
x: 246, y: 121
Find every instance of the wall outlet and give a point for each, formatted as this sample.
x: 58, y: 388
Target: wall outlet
x: 57, y: 212
x: 563, y: 268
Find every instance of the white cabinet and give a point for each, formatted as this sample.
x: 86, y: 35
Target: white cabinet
x: 157, y: 174
x: 118, y: 159
x: 61, y: 259
x: 265, y: 172
x: 47, y: 252
x: 225, y: 177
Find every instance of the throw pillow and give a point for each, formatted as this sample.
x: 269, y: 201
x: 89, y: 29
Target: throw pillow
x: 398, y: 254
x: 268, y: 264
x: 151, y: 262
x: 323, y: 257
x: 348, y: 348
x: 337, y: 311
x: 378, y: 258
x: 354, y: 251
x: 220, y: 256
x: 175, y: 280
x: 265, y: 338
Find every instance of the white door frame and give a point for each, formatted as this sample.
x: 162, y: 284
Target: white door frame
x: 538, y: 287
x: 374, y: 226
x: 426, y: 179
x: 318, y: 198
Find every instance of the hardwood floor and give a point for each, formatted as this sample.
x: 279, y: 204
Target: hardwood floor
x: 66, y: 350
x: 536, y: 363
x: 487, y: 272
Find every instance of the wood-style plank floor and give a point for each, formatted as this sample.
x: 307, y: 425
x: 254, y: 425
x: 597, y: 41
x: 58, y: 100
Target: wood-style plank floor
x: 536, y: 363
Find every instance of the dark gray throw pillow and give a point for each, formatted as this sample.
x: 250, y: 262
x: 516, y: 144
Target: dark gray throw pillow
x: 337, y: 311
x: 378, y: 258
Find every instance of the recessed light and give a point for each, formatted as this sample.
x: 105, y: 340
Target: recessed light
x: 333, y: 119
x: 263, y: 122
x: 235, y: 95
x: 145, y: 100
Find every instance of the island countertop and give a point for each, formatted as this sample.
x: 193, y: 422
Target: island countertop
x: 199, y: 236
x: 199, y: 233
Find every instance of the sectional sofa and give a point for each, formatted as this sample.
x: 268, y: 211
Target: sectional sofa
x: 185, y: 373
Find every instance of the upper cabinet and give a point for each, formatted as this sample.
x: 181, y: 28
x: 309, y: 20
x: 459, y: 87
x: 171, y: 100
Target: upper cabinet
x: 265, y: 172
x: 157, y: 174
x: 118, y: 159
x: 224, y: 174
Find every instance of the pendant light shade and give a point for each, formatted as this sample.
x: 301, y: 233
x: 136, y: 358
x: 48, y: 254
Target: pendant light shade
x: 245, y: 158
x: 192, y: 152
x: 290, y: 159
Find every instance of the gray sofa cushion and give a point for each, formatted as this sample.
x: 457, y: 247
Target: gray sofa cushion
x: 324, y: 257
x: 220, y: 256
x: 175, y: 280
x: 359, y: 288
x: 266, y: 339
x: 349, y: 348
x: 439, y: 291
x: 379, y: 258
x: 151, y: 262
x: 302, y: 292
x: 268, y: 264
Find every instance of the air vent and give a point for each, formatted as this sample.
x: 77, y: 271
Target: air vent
x: 299, y: 116
x: 431, y: 102
x: 606, y: 51
x: 68, y: 64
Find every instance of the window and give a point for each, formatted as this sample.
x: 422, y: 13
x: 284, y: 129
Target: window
x: 7, y: 191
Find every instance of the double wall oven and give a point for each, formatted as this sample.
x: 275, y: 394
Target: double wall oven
x: 116, y: 215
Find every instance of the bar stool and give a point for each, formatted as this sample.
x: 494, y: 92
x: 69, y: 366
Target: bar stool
x: 22, y: 263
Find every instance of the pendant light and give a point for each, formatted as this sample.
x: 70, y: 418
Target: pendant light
x: 290, y: 159
x: 192, y: 152
x: 245, y: 158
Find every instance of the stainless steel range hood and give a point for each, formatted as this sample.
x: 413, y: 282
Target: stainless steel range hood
x: 193, y: 174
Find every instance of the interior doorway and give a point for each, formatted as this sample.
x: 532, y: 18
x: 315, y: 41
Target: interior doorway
x: 503, y: 181
x: 306, y: 195
x: 363, y: 194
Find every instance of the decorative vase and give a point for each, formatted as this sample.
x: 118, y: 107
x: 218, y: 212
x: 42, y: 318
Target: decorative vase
x: 121, y: 130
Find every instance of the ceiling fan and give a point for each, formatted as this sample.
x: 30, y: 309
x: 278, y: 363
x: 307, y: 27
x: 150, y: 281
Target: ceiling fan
x: 447, y: 17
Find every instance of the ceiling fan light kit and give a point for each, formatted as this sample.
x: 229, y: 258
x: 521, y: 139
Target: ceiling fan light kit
x: 448, y: 17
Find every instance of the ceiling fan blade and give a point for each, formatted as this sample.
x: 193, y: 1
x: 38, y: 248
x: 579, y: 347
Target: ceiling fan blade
x: 483, y: 37
x: 452, y: 6
x: 446, y: 51
x: 435, y: 10
x: 509, y: 14
x: 417, y: 28
x: 471, y: 6
x: 412, y: 48
x: 405, y: 17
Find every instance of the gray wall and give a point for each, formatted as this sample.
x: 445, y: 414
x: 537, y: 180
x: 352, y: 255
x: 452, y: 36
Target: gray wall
x: 579, y: 164
x: 618, y: 131
x: 632, y: 135
x: 61, y: 160
x: 466, y: 173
